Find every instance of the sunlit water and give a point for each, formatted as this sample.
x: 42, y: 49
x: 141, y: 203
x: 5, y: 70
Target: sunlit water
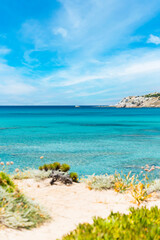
x: 90, y: 139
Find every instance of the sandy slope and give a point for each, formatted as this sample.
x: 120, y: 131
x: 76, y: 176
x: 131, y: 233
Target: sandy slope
x: 68, y: 206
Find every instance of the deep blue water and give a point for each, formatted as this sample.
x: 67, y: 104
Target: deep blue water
x: 90, y: 139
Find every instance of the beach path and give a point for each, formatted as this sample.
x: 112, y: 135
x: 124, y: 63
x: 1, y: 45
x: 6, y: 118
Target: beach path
x: 68, y: 206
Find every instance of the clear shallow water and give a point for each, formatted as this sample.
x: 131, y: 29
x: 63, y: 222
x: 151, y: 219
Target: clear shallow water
x: 90, y: 139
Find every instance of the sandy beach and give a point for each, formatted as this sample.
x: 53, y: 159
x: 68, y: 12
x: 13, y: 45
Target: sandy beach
x: 68, y: 206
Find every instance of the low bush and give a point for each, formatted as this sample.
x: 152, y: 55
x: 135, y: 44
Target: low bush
x: 139, y: 224
x: 154, y: 186
x: 16, y: 210
x: 56, y: 166
x: 46, y: 167
x: 74, y: 176
x: 123, y: 182
x: 51, y: 166
x: 6, y: 182
x: 65, y: 167
x: 100, y: 182
x: 139, y: 193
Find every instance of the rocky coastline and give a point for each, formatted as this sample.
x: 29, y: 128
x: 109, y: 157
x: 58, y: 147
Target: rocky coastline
x: 151, y: 100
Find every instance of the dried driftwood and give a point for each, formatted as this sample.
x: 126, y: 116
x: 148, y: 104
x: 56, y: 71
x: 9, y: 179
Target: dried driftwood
x: 60, y: 176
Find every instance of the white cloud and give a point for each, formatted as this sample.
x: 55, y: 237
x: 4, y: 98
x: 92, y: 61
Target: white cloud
x: 154, y: 39
x: 61, y: 31
x: 12, y: 81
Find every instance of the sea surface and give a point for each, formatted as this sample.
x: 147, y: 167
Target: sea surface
x: 91, y: 139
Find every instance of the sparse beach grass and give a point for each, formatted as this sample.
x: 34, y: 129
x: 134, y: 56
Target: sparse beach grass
x: 31, y: 173
x: 101, y: 182
x: 17, y: 210
x: 140, y: 186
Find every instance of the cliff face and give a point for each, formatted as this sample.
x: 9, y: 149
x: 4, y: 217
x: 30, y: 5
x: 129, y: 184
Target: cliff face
x: 149, y: 100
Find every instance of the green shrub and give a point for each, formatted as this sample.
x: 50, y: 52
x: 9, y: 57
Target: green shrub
x: 100, y: 182
x: 45, y: 167
x: 74, y: 176
x: 6, y: 182
x: 65, y: 167
x: 51, y: 166
x: 152, y: 95
x: 56, y: 166
x: 40, y: 168
x: 139, y: 224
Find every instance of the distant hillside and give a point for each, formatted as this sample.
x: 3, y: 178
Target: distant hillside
x: 149, y: 100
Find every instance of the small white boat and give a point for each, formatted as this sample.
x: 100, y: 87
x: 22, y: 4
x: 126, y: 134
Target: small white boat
x: 77, y: 106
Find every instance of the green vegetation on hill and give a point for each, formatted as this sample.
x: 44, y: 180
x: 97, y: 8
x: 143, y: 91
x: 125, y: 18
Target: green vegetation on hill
x: 152, y: 95
x: 139, y: 224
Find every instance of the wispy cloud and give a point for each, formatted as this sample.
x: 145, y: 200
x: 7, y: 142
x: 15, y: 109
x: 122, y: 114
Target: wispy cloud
x: 154, y: 39
x: 60, y: 31
x: 13, y: 81
x: 88, y: 50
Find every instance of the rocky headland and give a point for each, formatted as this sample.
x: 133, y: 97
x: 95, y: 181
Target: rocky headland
x: 149, y: 100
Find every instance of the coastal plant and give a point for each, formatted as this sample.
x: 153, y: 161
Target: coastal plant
x: 51, y: 166
x: 133, y: 185
x: 74, y: 176
x: 139, y: 193
x: 139, y: 224
x: 45, y: 167
x: 153, y: 187
x: 123, y: 181
x: 32, y: 173
x: 6, y: 182
x: 18, y: 211
x: 101, y: 182
x: 65, y: 167
x: 4, y: 167
x: 56, y: 166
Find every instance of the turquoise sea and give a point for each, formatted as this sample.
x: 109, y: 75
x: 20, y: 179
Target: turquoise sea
x: 90, y: 139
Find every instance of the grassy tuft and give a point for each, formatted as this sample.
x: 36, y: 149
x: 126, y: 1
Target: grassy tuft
x: 101, y: 182
x: 154, y: 186
x: 17, y: 211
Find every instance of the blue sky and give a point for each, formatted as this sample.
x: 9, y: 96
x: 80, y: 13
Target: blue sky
x: 75, y: 52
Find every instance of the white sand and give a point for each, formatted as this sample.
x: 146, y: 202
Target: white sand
x: 68, y: 206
